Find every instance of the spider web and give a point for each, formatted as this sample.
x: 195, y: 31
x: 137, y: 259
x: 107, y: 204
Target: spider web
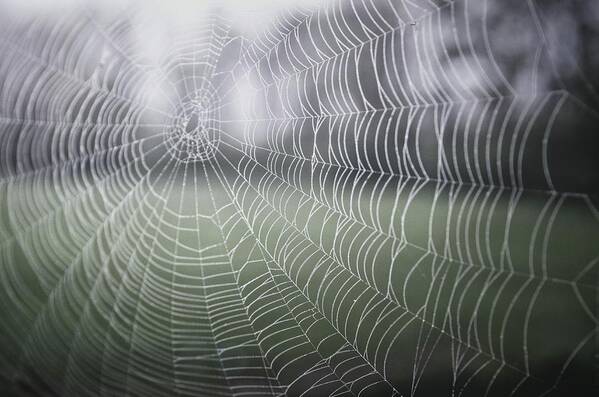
x: 364, y: 198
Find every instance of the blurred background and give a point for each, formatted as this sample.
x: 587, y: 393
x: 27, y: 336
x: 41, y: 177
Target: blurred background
x: 332, y: 198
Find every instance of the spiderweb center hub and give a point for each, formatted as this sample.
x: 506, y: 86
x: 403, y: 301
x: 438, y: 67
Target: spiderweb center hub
x: 193, y: 133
